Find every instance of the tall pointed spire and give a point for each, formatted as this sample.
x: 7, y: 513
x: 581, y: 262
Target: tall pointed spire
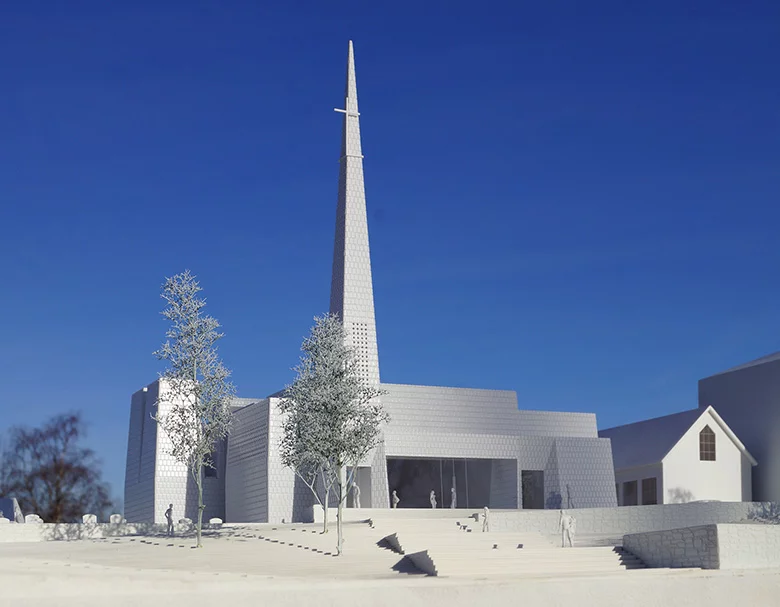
x: 351, y: 290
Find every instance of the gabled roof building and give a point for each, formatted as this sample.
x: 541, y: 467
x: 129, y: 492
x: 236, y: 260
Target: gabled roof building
x: 748, y: 398
x: 688, y: 456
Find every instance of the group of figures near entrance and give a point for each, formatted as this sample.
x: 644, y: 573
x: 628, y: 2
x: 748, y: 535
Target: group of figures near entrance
x: 434, y: 503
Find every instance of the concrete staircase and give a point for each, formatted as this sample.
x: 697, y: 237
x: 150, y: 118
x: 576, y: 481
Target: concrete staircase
x: 459, y: 548
x: 289, y: 549
x: 524, y: 562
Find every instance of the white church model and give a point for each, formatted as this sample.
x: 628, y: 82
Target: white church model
x: 475, y: 441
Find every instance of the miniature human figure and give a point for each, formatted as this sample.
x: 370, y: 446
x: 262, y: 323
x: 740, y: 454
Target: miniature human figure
x: 169, y: 518
x: 396, y: 499
x: 454, y: 499
x: 355, y: 495
x: 433, y: 499
x: 567, y: 526
x: 485, y: 519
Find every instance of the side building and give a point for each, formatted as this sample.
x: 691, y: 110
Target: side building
x: 683, y: 457
x: 748, y: 398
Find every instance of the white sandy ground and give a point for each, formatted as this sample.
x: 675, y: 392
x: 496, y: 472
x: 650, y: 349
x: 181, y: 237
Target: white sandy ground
x: 278, y: 566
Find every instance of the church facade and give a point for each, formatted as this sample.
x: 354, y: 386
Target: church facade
x: 472, y: 446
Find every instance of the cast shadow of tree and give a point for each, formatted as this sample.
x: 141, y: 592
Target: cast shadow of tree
x: 65, y: 532
x: 678, y: 495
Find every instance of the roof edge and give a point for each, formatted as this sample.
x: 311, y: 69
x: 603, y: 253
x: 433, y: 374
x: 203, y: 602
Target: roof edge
x: 725, y: 427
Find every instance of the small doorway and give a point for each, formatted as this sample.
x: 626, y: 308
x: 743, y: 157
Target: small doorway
x: 362, y: 479
x: 533, y: 489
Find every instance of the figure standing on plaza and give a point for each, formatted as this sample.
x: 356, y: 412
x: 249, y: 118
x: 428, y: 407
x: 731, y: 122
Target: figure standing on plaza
x: 453, y: 499
x: 567, y: 525
x: 355, y: 495
x: 396, y: 499
x: 485, y: 519
x: 433, y: 499
x: 169, y: 518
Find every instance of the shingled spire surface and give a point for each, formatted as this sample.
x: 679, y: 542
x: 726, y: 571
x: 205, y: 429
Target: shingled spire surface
x: 351, y: 292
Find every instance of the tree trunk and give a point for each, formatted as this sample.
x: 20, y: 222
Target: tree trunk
x: 339, y: 521
x: 201, y: 507
x: 325, y: 512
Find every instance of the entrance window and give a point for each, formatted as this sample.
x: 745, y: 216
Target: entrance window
x: 629, y: 493
x: 649, y: 491
x: 533, y: 489
x: 707, y: 445
x: 413, y: 479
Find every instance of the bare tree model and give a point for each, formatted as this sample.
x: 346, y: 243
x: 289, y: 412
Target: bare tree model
x: 51, y: 473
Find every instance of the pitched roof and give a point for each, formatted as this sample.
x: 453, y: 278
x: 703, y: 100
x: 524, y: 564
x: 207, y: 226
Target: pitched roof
x: 647, y: 442
x: 753, y: 363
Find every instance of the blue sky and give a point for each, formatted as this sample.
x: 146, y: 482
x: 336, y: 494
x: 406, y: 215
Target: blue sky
x: 576, y: 201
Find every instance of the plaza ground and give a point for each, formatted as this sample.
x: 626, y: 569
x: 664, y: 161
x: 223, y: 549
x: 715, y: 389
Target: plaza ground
x: 295, y: 565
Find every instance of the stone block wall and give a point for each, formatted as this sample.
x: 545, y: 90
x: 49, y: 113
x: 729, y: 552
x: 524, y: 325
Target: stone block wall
x: 686, y: 547
x: 725, y: 546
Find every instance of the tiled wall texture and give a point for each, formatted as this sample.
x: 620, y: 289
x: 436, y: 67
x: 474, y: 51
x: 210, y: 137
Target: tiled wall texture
x: 352, y: 290
x: 154, y: 479
x: 503, y: 484
x: 436, y: 423
x: 725, y: 546
x: 687, y: 547
x: 141, y: 456
x: 440, y: 422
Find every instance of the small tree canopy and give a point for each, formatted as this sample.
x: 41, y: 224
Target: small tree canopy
x: 195, y: 392
x: 51, y: 474
x: 332, y: 418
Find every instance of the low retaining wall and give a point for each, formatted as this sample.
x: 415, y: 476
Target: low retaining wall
x: 636, y: 519
x: 42, y: 532
x: 748, y: 546
x: 689, y: 547
x: 616, y: 521
x: 354, y: 515
x: 727, y: 546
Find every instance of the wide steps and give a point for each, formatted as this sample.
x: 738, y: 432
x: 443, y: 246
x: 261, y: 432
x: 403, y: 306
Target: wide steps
x: 405, y: 540
x: 521, y: 562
